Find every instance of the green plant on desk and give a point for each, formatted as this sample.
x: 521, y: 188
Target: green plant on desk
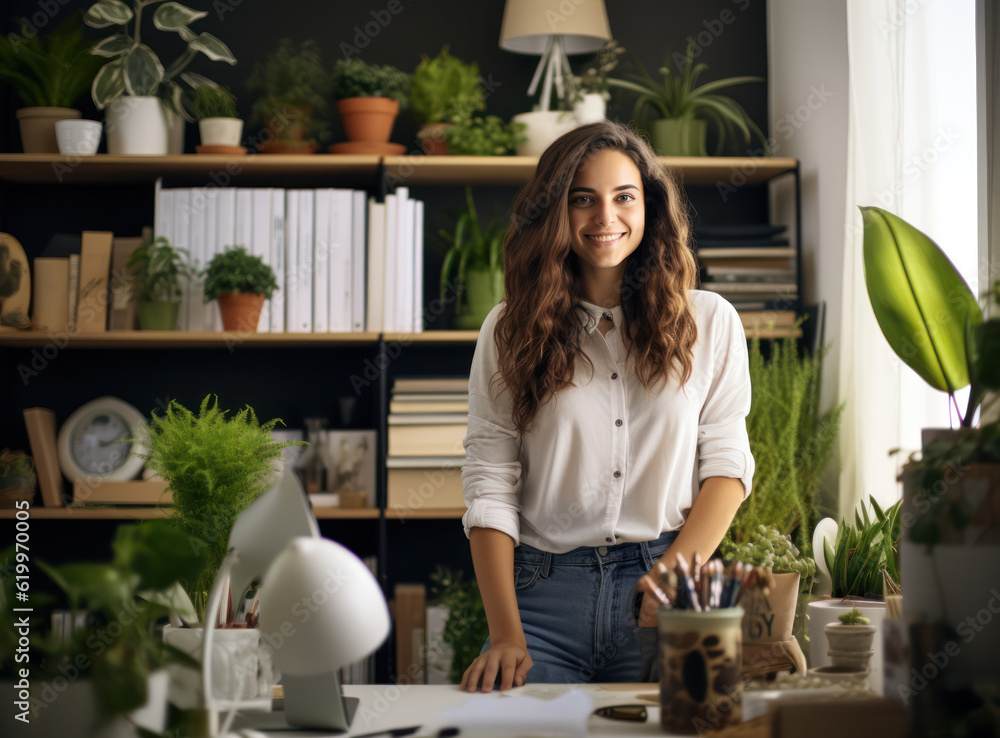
x: 865, y: 559
x: 466, y: 629
x: 215, y: 467
x: 123, y: 599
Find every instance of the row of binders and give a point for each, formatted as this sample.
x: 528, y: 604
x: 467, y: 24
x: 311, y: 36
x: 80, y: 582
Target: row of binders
x: 428, y: 420
x: 343, y: 262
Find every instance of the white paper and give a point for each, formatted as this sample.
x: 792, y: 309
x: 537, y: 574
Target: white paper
x: 568, y: 714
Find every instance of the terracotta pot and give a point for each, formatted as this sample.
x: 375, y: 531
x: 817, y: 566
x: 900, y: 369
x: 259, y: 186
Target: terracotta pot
x: 241, y: 312
x: 285, y: 147
x: 38, y: 128
x: 368, y: 118
x: 850, y: 645
x: 433, y: 140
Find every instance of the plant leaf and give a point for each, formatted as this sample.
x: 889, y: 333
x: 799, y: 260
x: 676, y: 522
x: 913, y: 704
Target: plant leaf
x: 109, y: 83
x: 107, y: 13
x: 174, y: 16
x: 113, y: 46
x: 920, y: 300
x: 213, y: 48
x: 143, y: 71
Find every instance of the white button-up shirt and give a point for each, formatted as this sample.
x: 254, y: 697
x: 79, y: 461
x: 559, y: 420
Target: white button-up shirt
x: 607, y: 461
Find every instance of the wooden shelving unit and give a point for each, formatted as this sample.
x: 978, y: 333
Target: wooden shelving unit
x: 146, y: 513
x: 360, y: 170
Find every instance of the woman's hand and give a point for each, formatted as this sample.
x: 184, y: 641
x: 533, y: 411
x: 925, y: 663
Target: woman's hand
x: 509, y: 658
x: 652, y: 596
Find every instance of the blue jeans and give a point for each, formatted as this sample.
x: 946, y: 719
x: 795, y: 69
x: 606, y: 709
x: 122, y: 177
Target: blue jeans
x: 578, y: 610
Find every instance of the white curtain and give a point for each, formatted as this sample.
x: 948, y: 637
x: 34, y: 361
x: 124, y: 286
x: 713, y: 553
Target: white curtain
x: 911, y: 151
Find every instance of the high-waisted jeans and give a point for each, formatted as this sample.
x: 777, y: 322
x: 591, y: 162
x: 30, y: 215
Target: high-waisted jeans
x: 578, y: 610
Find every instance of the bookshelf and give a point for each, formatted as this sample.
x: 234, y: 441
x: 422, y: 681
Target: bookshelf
x: 147, y: 513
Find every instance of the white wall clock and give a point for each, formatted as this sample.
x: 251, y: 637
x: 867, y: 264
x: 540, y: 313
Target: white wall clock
x: 90, y: 442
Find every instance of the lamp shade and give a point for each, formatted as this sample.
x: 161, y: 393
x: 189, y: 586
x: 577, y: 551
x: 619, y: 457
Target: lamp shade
x: 528, y: 24
x: 320, y: 608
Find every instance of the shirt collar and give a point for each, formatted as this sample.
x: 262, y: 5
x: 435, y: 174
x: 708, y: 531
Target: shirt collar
x: 595, y: 312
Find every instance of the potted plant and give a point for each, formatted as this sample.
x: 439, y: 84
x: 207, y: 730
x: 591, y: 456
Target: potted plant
x: 17, y: 478
x: 589, y: 89
x: 681, y: 110
x: 50, y: 73
x: 215, y: 465
x: 482, y: 136
x: 218, y: 122
x: 241, y: 283
x: 770, y: 616
x: 158, y: 268
x: 369, y: 98
x: 850, y: 640
x: 443, y: 88
x: 473, y: 266
x: 951, y: 534
x: 465, y: 629
x: 863, y: 565
x: 105, y: 671
x: 137, y: 91
x: 291, y: 103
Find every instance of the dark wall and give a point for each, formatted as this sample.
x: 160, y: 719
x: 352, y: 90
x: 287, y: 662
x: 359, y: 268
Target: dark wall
x: 731, y: 35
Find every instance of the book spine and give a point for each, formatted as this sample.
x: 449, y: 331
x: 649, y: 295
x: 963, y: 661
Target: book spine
x: 73, y: 296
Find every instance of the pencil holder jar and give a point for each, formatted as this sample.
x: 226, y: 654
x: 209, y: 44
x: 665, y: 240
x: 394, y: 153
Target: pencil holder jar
x: 700, y: 659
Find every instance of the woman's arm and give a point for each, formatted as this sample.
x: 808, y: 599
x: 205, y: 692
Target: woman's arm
x: 706, y: 525
x: 493, y: 559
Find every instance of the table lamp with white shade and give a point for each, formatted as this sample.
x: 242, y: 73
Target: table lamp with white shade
x: 320, y: 607
x: 553, y: 29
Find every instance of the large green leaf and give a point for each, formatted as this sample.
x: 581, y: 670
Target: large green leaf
x: 174, y: 16
x: 213, y: 48
x: 920, y: 300
x: 113, y: 46
x: 143, y: 71
x: 109, y: 83
x: 107, y: 13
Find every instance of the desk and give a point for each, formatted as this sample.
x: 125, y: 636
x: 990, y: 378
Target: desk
x: 385, y: 706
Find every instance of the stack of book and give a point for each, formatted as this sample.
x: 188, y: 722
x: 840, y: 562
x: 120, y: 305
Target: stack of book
x: 428, y: 419
x: 752, y: 265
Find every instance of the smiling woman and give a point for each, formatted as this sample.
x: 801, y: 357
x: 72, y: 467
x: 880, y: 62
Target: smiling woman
x: 607, y: 405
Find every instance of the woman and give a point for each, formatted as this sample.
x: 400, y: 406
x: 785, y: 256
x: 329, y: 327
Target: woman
x: 607, y: 406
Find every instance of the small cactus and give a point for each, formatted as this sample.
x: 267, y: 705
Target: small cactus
x: 854, y: 617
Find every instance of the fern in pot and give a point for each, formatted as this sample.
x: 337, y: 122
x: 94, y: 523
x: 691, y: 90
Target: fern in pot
x: 158, y: 269
x: 17, y: 479
x: 241, y: 283
x: 443, y: 88
x: 218, y: 122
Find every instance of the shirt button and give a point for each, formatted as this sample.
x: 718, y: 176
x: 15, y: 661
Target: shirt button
x: 617, y: 474
x: 608, y: 540
x: 615, y: 375
x: 618, y: 422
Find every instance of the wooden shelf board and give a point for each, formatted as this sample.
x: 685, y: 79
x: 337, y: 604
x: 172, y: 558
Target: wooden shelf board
x: 184, y: 339
x: 221, y: 171
x: 213, y: 170
x: 433, y: 337
x: 145, y: 513
x: 405, y: 513
x: 754, y: 332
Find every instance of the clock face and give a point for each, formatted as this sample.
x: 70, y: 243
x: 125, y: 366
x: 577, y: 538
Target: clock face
x: 94, y: 443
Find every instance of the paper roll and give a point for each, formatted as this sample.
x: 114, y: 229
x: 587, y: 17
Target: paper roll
x: 51, y: 290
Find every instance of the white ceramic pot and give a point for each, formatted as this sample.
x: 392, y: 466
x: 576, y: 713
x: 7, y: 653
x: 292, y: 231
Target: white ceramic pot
x: 239, y: 668
x: 69, y: 708
x: 78, y: 137
x: 220, y: 131
x: 542, y: 128
x: 137, y: 126
x: 825, y: 612
x: 591, y: 109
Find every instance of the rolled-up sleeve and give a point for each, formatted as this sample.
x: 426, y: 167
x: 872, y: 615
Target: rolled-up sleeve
x: 491, y: 476
x: 723, y: 445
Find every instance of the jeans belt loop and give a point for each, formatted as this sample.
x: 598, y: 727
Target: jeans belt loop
x: 647, y: 558
x: 546, y: 564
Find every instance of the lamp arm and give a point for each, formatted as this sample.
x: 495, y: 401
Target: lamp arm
x: 211, y: 615
x: 542, y: 63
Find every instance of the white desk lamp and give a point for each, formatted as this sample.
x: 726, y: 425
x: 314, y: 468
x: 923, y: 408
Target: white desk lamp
x: 320, y: 606
x: 553, y: 29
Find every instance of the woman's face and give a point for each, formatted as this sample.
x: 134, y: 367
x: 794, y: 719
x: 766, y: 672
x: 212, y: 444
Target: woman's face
x: 607, y: 212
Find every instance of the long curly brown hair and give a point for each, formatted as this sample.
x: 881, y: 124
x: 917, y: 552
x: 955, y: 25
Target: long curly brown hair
x: 538, y: 333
